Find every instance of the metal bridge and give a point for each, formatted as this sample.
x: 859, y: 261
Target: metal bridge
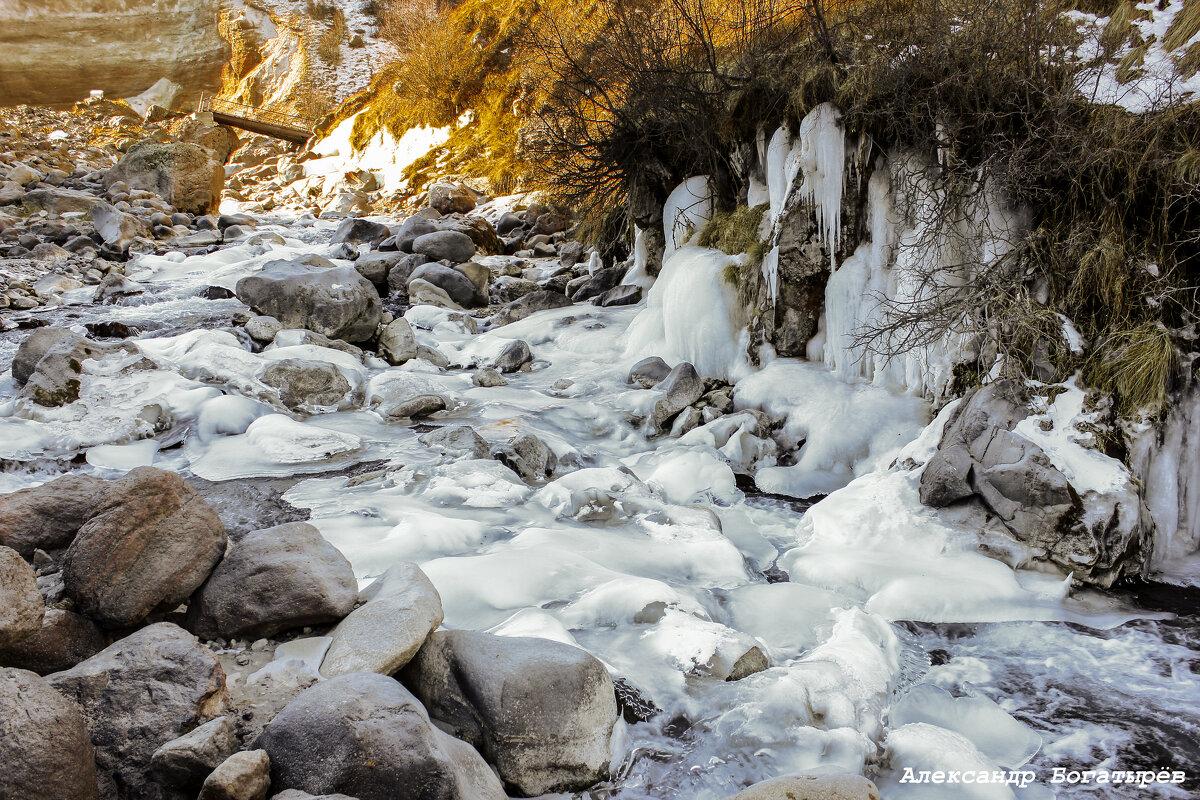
x: 288, y: 127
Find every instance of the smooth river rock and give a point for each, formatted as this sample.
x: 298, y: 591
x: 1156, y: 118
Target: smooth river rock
x: 45, y: 749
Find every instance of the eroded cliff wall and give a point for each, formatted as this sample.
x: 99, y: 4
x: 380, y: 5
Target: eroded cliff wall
x: 56, y: 51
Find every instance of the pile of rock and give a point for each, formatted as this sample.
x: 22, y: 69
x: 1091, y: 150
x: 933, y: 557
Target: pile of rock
x: 687, y: 400
x: 72, y: 214
x: 105, y: 587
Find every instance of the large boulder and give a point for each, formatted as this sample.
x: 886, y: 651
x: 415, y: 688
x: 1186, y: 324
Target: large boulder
x: 355, y: 230
x: 366, y: 736
x: 450, y: 246
x: 513, y: 357
x: 45, y: 750
x: 981, y: 461
x: 21, y: 606
x: 682, y: 387
x: 219, y: 140
x: 397, y: 343
x: 598, y: 284
x: 116, y: 227
x: 336, y: 301
x: 540, y: 711
x: 58, y: 377
x: 400, y: 610
x: 185, y: 762
x: 310, y: 386
x: 62, y: 641
x: 185, y: 175
x: 454, y: 283
x: 274, y: 580
x: 36, y: 345
x: 47, y: 517
x: 140, y: 693
x: 450, y: 199
x: 242, y: 776
x: 149, y: 544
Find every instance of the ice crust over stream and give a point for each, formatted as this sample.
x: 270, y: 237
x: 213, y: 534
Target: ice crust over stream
x: 643, y: 550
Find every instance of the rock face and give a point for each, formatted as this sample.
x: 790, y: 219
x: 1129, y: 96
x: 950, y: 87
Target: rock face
x: 185, y: 175
x: 366, y: 736
x: 44, y: 745
x: 21, y: 606
x: 67, y: 48
x: 335, y: 301
x: 150, y: 542
x: 274, y: 580
x: 982, y: 461
x: 401, y: 608
x: 540, y: 711
x: 163, y: 662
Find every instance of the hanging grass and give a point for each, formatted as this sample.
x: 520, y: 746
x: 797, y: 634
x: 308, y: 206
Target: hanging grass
x: 1137, y: 366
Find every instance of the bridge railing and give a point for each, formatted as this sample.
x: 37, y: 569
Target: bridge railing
x: 220, y: 106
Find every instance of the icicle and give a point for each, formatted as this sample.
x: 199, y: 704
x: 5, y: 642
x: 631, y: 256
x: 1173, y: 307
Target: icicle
x: 823, y: 160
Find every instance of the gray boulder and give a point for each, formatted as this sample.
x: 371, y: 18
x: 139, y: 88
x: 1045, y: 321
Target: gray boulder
x: 981, y: 461
x: 529, y: 457
x: 449, y: 246
x: 242, y: 776
x: 682, y: 387
x: 397, y: 344
x: 411, y: 407
x: 450, y: 199
x: 149, y: 544
x: 57, y: 379
x: 312, y: 387
x: 274, y: 580
x: 599, y: 283
x: 366, y: 736
x: 618, y: 296
x: 185, y: 762
x: 422, y: 292
x: 336, y: 302
x: 399, y: 611
x: 47, y: 517
x: 516, y: 355
x: 116, y: 227
x: 649, y: 372
x: 540, y: 711
x: 185, y: 175
x: 376, y: 266
x: 415, y: 227
x: 456, y: 440
x: 488, y: 377
x: 451, y: 281
x: 33, y: 347
x: 355, y: 230
x: 63, y: 640
x: 401, y: 271
x: 162, y: 662
x: 45, y: 749
x: 21, y: 606
x: 531, y: 303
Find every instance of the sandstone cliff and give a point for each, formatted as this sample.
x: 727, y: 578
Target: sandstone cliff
x: 56, y: 52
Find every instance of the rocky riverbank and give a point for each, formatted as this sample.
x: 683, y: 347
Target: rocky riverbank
x: 318, y: 505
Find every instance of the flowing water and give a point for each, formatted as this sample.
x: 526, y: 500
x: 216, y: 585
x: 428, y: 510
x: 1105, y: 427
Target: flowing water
x: 645, y: 551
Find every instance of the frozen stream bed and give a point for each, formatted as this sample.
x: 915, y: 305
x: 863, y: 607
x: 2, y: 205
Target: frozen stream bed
x: 893, y: 643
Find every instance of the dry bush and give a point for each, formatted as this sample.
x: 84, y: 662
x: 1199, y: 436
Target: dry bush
x: 329, y: 46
